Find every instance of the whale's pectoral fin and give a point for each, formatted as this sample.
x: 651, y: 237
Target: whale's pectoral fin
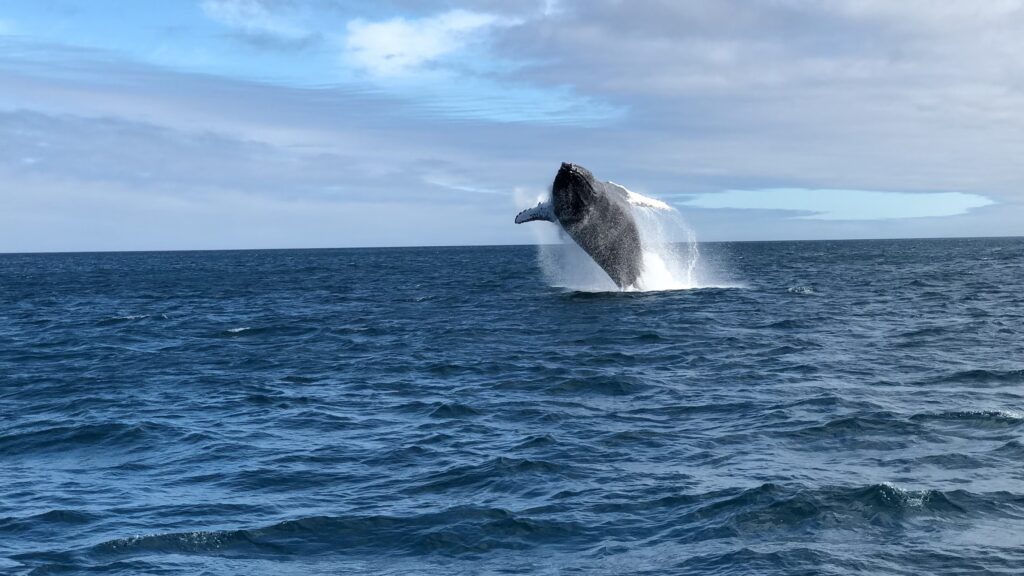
x: 541, y: 211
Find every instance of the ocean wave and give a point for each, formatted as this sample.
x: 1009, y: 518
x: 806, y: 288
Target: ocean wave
x: 949, y: 461
x: 1013, y: 449
x: 124, y: 318
x: 21, y: 524
x: 924, y: 332
x: 500, y: 472
x: 987, y: 418
x: 74, y: 437
x: 466, y: 531
x: 979, y: 376
x: 458, y: 530
x: 879, y: 430
x: 453, y: 410
x: 772, y: 508
x: 599, y: 385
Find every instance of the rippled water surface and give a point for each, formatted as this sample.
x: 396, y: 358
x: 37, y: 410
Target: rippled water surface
x: 850, y: 408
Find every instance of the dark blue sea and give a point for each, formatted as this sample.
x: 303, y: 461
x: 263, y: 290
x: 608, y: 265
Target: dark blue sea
x: 844, y: 408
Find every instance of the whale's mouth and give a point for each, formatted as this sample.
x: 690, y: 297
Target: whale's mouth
x: 572, y: 189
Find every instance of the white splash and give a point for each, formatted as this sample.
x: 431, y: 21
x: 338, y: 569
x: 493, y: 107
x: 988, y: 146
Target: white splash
x: 130, y: 317
x: 671, y: 255
x: 643, y: 201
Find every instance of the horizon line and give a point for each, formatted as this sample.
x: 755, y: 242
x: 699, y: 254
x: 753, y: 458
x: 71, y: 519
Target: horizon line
x: 405, y: 247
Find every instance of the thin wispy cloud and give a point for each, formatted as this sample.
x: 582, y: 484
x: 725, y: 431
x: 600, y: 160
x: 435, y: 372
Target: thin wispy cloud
x: 255, y: 18
x: 401, y: 46
x: 446, y: 64
x: 827, y: 204
x: 442, y: 63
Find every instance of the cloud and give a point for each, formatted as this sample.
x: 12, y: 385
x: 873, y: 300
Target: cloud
x: 70, y: 215
x: 443, y: 62
x: 439, y: 62
x: 845, y: 204
x: 104, y: 184
x: 855, y: 94
x: 255, y: 19
x: 402, y: 46
x: 431, y: 114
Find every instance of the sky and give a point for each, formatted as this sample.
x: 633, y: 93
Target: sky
x: 209, y: 124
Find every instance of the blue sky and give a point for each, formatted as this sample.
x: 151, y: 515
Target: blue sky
x: 259, y: 123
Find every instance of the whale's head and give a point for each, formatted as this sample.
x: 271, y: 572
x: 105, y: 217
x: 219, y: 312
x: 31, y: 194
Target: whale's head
x: 573, y: 190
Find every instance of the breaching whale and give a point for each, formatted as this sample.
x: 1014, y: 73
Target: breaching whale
x: 598, y: 216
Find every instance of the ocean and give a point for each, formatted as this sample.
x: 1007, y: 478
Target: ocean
x: 848, y: 407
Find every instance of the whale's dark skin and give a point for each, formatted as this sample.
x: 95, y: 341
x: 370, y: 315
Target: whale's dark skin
x: 597, y: 216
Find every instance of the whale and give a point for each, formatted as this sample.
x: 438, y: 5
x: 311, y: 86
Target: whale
x: 599, y: 217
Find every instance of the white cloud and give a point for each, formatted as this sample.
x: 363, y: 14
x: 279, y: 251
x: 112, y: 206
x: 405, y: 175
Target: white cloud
x: 551, y: 7
x: 254, y: 18
x: 931, y: 12
x: 845, y: 204
x: 399, y: 45
x: 444, y: 65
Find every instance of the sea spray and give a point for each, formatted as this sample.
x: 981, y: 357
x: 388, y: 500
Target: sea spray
x: 671, y: 256
x: 670, y: 251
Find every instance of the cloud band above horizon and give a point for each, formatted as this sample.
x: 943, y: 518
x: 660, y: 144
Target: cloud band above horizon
x: 783, y: 120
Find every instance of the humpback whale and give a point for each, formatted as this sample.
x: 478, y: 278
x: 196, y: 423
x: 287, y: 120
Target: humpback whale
x: 598, y: 216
